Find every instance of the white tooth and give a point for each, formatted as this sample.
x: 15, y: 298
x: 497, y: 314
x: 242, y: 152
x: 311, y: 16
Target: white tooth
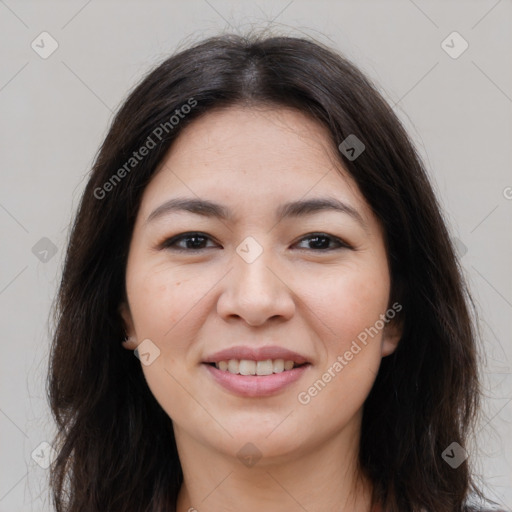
x: 288, y: 365
x: 233, y: 366
x: 278, y: 365
x: 264, y: 367
x: 247, y: 367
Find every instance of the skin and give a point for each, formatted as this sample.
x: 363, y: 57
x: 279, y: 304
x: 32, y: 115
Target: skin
x: 307, y: 299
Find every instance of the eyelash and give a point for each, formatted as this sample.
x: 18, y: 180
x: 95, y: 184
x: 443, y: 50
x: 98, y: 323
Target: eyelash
x: 170, y: 243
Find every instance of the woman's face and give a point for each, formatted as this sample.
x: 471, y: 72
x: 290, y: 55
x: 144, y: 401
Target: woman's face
x: 264, y: 280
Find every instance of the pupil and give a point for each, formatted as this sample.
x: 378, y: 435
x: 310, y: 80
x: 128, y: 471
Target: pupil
x: 320, y: 245
x: 195, y: 244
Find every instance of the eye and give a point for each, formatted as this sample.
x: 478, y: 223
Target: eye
x: 192, y: 242
x: 321, y: 241
x: 195, y: 241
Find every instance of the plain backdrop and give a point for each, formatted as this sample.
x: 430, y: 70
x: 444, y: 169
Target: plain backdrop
x: 56, y: 109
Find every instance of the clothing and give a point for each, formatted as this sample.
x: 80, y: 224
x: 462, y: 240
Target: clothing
x: 379, y: 508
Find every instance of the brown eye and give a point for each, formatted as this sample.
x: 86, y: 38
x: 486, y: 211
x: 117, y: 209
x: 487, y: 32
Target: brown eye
x: 186, y: 242
x: 320, y: 242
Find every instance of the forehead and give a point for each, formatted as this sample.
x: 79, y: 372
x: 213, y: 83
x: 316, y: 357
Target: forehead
x: 250, y: 137
x: 253, y: 156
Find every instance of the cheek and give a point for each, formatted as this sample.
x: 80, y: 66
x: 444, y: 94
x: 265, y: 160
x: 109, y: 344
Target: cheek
x: 350, y: 308
x: 349, y: 300
x: 164, y: 304
x: 160, y: 297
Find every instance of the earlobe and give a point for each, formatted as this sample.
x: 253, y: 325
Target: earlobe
x: 130, y: 342
x: 390, y: 339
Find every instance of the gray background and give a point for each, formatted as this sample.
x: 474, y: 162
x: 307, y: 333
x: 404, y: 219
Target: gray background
x: 56, y: 111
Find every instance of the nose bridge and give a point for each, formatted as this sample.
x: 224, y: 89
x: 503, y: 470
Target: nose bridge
x: 252, y: 262
x: 254, y: 292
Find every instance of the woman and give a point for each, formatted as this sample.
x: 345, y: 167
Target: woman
x: 260, y: 232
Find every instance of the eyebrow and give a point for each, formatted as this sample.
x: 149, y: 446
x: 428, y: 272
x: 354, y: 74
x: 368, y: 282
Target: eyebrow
x: 299, y: 208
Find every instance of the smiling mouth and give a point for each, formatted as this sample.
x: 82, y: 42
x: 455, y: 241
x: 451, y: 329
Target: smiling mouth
x: 256, y: 368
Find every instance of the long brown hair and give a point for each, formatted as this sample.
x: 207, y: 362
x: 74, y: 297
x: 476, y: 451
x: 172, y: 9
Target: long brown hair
x: 115, y: 444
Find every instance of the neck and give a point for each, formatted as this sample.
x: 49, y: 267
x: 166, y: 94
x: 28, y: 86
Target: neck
x: 323, y: 478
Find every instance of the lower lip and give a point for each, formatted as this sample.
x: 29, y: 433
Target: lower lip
x: 256, y: 385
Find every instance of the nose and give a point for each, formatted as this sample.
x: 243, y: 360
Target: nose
x: 256, y: 292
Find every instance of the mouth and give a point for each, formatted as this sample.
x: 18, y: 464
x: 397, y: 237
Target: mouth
x: 255, y: 378
x: 251, y: 372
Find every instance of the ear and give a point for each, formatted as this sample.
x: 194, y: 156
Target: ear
x: 131, y: 342
x: 391, y: 336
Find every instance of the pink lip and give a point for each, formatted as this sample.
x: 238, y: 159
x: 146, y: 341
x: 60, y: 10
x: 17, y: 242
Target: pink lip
x: 256, y: 385
x: 256, y: 354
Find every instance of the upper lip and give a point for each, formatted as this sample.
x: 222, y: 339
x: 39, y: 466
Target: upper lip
x: 256, y: 354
